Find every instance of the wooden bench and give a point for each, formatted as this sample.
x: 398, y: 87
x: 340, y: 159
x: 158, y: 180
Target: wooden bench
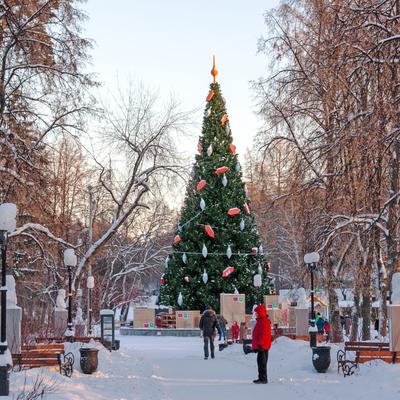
x: 363, y: 352
x: 44, y: 355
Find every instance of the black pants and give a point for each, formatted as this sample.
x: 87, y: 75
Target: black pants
x: 206, y: 340
x: 262, y: 359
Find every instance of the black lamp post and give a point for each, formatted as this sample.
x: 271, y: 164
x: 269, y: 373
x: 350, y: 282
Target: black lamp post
x: 311, y: 260
x: 90, y: 286
x: 70, y: 261
x: 8, y: 214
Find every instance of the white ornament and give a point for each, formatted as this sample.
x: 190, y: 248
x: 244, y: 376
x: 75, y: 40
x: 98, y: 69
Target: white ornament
x: 261, y: 249
x: 224, y: 180
x: 204, y: 251
x: 246, y: 192
x: 209, y: 150
x: 208, y: 112
x: 227, y: 129
x: 229, y: 251
x: 205, y: 277
x: 242, y: 224
x: 202, y: 204
x: 257, y: 280
x: 237, y: 167
x: 180, y: 299
x: 395, y: 297
x: 259, y: 269
x: 180, y: 228
x: 184, y: 258
x: 236, y: 291
x: 166, y: 262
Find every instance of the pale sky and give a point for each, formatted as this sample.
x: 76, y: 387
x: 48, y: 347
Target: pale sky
x: 168, y: 45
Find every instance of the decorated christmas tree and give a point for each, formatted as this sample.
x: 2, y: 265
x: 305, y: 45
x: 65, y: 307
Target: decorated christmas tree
x: 217, y: 248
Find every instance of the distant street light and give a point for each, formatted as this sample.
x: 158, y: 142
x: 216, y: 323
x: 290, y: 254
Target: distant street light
x: 90, y: 286
x: 70, y: 261
x: 311, y: 260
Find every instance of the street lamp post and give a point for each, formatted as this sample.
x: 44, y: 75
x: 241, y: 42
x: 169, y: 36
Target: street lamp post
x: 257, y: 281
x: 311, y: 260
x: 8, y: 214
x: 90, y: 286
x: 70, y: 261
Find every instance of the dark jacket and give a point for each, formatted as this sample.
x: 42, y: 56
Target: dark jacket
x: 209, y: 323
x: 262, y: 330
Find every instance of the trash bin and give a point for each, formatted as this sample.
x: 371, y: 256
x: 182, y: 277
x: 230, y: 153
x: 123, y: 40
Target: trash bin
x: 116, y: 345
x: 321, y: 358
x: 89, y: 359
x: 247, y: 346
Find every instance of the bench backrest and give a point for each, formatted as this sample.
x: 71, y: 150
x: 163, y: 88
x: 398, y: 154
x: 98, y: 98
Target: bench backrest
x: 43, y: 348
x: 357, y: 346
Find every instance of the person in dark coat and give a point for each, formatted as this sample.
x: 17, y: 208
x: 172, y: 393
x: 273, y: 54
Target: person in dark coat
x: 261, y: 342
x: 222, y: 325
x: 209, y: 325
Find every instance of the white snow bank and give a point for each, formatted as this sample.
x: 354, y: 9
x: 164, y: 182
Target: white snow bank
x: 173, y: 368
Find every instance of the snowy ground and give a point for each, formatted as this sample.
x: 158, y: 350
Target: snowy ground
x: 169, y: 368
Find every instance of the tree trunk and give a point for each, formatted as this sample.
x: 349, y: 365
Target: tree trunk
x: 355, y: 316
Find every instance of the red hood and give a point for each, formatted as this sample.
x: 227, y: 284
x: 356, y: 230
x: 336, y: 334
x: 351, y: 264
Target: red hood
x: 261, y: 311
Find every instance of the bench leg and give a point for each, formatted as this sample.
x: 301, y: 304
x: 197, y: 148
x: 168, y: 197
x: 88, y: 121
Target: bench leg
x: 67, y: 367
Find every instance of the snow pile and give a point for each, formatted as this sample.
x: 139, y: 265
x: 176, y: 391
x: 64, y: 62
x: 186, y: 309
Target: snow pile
x: 173, y: 368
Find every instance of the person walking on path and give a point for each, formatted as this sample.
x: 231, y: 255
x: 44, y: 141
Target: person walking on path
x: 327, y: 329
x: 319, y: 322
x: 235, y: 331
x: 209, y: 325
x: 222, y: 325
x: 261, y: 342
x: 347, y: 324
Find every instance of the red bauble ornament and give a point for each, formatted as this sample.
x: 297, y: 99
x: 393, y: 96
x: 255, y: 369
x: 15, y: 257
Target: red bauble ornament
x: 186, y: 279
x: 246, y: 208
x: 224, y: 119
x: 162, y: 280
x: 210, y: 95
x: 232, y: 148
x: 254, y: 251
x: 201, y: 184
x: 209, y: 231
x: 227, y: 271
x: 234, y: 211
x: 177, y: 239
x: 221, y: 170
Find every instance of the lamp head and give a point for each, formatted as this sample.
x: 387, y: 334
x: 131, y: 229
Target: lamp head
x: 8, y: 217
x: 311, y: 258
x: 70, y: 259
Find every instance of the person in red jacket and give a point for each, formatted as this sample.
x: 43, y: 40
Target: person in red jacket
x: 261, y: 342
x: 235, y: 331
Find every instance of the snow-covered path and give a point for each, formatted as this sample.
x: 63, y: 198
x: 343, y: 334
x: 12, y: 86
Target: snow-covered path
x: 168, y: 368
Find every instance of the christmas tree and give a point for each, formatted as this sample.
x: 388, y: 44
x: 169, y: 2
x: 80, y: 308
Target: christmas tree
x: 217, y: 248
